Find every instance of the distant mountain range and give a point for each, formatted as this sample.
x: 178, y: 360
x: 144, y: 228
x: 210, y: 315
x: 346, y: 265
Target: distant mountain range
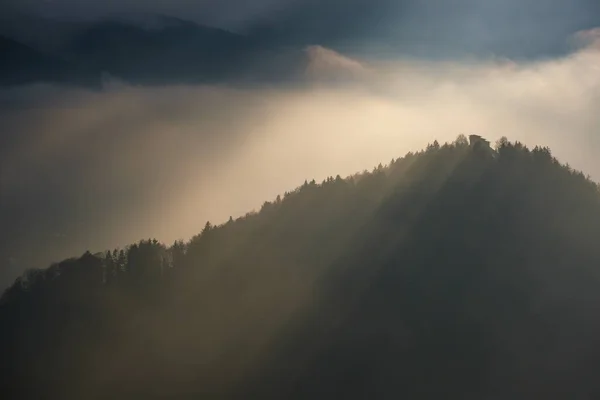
x: 23, y: 64
x: 142, y: 49
x: 148, y: 49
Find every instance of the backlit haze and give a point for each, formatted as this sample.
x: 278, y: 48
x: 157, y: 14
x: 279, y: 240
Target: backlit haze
x: 95, y: 169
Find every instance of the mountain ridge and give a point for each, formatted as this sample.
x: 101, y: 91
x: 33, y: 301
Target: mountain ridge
x: 457, y: 270
x: 157, y: 50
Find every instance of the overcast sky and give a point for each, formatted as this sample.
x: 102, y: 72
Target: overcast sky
x: 518, y: 28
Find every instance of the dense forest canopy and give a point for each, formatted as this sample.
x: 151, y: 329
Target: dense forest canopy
x: 460, y: 271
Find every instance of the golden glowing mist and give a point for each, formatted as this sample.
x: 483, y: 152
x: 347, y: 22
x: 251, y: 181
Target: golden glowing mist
x: 168, y: 159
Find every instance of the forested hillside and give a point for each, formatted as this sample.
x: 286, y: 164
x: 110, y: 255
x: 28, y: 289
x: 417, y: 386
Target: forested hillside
x: 460, y: 272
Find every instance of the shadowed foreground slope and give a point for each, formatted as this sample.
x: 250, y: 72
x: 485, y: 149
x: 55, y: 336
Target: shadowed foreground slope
x: 455, y: 272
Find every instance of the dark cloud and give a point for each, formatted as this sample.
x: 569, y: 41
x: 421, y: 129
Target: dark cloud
x: 514, y: 28
x: 214, y: 12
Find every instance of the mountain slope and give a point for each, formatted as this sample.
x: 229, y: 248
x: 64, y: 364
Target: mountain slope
x: 184, y: 53
x: 22, y: 65
x: 459, y: 271
x: 142, y: 49
x: 155, y: 50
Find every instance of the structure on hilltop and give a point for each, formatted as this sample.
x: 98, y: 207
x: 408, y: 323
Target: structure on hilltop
x: 476, y: 141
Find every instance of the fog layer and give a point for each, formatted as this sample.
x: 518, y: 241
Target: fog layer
x: 93, y: 170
